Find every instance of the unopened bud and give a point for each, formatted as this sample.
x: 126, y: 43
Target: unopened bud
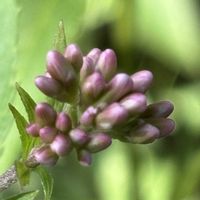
x: 33, y: 129
x: 61, y: 145
x: 107, y: 64
x: 47, y: 134
x: 135, y: 103
x: 53, y: 88
x: 86, y: 69
x: 98, y: 142
x: 94, y: 54
x: 50, y: 87
x: 143, y: 134
x: 45, y: 114
x: 74, y: 55
x: 92, y: 87
x: 59, y: 68
x: 63, y: 122
x: 78, y: 136
x: 119, y: 86
x: 142, y: 80
x: 45, y: 156
x: 46, y: 74
x: 166, y: 126
x: 159, y: 109
x: 84, y: 157
x: 87, y: 118
x: 113, y: 115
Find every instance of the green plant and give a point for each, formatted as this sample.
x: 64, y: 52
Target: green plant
x: 88, y: 105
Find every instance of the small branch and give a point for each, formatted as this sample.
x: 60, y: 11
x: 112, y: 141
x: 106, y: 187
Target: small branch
x: 8, y: 178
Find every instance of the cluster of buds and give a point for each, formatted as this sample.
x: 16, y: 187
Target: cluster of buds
x: 110, y: 105
x: 58, y: 137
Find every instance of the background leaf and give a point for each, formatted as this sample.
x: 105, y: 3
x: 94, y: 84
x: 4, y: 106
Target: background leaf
x: 8, y: 15
x: 47, y: 182
x: 170, y: 32
x: 25, y: 196
x: 9, y: 11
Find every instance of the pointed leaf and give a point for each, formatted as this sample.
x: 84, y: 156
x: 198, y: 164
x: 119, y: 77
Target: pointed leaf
x: 60, y: 38
x: 25, y: 196
x: 21, y: 125
x: 27, y: 142
x: 27, y: 101
x: 47, y: 182
x: 23, y: 173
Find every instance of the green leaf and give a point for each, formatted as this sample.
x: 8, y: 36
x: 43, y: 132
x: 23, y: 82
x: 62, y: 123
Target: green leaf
x: 21, y: 125
x: 158, y: 32
x: 47, y: 182
x: 23, y: 173
x: 9, y: 11
x: 25, y: 196
x: 60, y: 38
x: 27, y: 142
x: 27, y: 101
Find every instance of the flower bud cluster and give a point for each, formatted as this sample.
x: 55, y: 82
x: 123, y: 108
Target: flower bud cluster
x: 111, y: 105
x: 57, y: 138
x: 152, y: 124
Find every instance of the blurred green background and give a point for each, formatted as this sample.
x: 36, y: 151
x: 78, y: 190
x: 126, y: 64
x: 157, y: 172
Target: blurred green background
x: 162, y: 36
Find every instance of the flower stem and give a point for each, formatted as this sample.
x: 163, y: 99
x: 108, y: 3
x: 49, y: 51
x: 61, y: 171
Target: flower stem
x: 8, y: 178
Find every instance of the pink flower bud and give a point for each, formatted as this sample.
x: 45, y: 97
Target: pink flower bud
x: 94, y: 54
x: 45, y: 114
x: 142, y: 80
x: 47, y: 134
x: 74, y: 55
x: 46, y: 74
x: 107, y: 64
x: 45, y: 156
x: 98, y: 142
x: 92, y: 87
x: 63, y: 122
x: 50, y: 87
x: 61, y: 145
x: 86, y: 69
x: 143, y: 134
x: 84, y: 157
x: 87, y: 118
x: 166, y: 126
x: 59, y: 68
x: 78, y: 136
x: 159, y: 109
x: 33, y: 129
x: 135, y: 103
x: 113, y: 115
x: 119, y: 86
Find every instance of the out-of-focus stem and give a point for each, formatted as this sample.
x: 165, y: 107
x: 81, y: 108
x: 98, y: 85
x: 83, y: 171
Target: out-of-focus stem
x: 8, y: 178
